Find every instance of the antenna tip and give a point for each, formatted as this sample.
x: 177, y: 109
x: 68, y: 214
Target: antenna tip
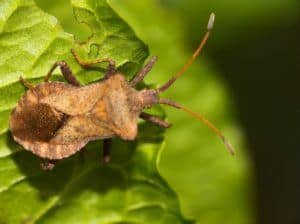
x: 228, y: 146
x: 211, y: 21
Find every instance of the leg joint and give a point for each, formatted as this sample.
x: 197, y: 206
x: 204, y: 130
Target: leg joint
x: 61, y: 63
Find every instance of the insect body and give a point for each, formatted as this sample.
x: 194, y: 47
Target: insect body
x: 54, y: 120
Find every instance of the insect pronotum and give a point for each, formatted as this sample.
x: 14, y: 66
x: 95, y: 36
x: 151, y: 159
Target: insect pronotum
x: 54, y: 120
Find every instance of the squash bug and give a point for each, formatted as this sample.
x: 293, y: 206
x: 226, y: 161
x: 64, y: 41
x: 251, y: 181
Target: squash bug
x: 54, y: 120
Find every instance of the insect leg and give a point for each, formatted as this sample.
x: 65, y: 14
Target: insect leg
x: 106, y: 150
x: 155, y: 120
x: 47, y: 164
x: 65, y: 70
x: 111, y: 69
x: 143, y: 72
x: 26, y: 83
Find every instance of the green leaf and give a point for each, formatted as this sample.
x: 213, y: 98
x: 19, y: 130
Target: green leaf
x: 79, y: 189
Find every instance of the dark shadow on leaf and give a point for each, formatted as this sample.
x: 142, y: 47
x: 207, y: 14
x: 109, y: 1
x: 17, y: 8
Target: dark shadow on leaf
x: 84, y: 166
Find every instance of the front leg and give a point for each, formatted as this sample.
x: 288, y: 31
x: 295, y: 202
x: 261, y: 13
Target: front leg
x: 143, y: 72
x: 155, y: 120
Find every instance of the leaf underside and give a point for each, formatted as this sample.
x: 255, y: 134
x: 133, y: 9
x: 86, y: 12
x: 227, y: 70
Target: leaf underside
x: 79, y: 189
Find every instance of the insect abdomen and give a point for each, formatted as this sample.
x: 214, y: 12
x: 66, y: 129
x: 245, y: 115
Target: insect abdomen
x: 34, y: 124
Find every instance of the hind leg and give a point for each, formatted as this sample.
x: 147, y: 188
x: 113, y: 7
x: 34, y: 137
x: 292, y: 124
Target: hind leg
x: 26, y: 83
x: 111, y: 69
x: 65, y: 70
x: 46, y: 164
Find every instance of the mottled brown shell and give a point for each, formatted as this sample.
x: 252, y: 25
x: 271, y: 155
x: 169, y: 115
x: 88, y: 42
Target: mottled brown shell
x: 34, y: 124
x: 54, y: 120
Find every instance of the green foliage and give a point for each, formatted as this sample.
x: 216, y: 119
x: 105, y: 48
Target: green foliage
x: 79, y: 189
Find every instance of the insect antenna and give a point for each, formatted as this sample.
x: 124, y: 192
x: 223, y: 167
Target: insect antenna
x: 200, y: 118
x: 194, y: 56
x: 180, y: 73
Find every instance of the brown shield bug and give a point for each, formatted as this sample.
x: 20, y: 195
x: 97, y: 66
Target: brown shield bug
x: 54, y: 120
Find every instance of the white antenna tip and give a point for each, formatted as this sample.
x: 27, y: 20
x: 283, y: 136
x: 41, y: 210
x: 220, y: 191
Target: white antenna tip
x: 228, y: 146
x: 211, y: 21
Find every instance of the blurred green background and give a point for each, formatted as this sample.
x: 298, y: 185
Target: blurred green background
x: 246, y: 82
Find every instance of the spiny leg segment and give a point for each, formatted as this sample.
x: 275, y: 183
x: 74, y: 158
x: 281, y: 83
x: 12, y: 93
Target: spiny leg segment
x: 111, y: 70
x: 155, y: 120
x: 143, y: 72
x: 26, y: 83
x: 65, y: 70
